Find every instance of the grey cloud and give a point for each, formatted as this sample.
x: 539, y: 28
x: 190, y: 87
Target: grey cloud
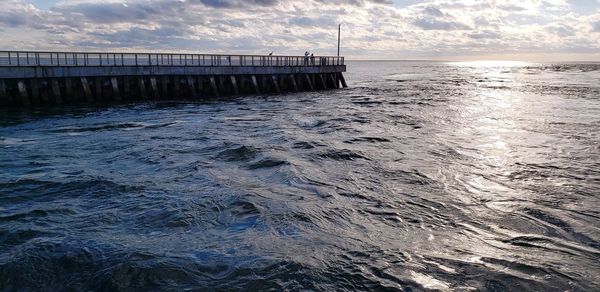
x: 488, y: 34
x: 111, y: 12
x: 134, y: 12
x: 355, y: 2
x: 139, y: 36
x: 305, y: 21
x: 236, y: 3
x: 561, y: 30
x: 510, y: 7
x: 435, y: 24
x: 596, y: 26
x: 433, y: 18
x: 13, y: 19
x: 433, y: 11
x: 21, y: 15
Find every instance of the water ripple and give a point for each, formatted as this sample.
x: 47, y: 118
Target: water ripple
x: 420, y: 176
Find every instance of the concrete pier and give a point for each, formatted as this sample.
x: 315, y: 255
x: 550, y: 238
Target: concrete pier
x: 50, y: 78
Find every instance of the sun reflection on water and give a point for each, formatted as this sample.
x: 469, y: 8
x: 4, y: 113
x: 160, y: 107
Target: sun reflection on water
x: 489, y: 63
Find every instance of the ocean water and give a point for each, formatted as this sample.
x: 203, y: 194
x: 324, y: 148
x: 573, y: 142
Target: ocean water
x: 420, y: 176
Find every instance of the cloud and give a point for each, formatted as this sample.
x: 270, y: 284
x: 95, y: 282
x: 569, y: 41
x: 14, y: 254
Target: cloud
x: 596, y: 26
x: 484, y: 35
x: 370, y: 28
x: 307, y: 21
x: 435, y: 24
x: 560, y: 30
x: 433, y: 11
x: 100, y: 12
x: 354, y: 2
x: 16, y: 13
x: 432, y: 18
x: 236, y: 3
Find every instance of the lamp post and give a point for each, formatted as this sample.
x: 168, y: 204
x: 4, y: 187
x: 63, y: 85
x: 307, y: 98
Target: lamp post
x: 339, y: 32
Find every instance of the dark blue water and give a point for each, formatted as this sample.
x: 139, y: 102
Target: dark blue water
x: 447, y: 176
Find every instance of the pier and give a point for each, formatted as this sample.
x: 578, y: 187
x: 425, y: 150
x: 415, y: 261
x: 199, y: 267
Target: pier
x: 57, y: 78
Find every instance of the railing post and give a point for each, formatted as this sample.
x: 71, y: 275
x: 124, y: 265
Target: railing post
x: 18, y: 60
x: 136, y: 59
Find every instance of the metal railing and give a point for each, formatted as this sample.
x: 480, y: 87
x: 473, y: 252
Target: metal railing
x: 85, y: 59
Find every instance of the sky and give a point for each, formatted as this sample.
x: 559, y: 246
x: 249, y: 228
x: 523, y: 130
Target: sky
x: 522, y: 30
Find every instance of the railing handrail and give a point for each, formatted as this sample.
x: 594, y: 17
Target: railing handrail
x: 88, y: 59
x: 155, y: 53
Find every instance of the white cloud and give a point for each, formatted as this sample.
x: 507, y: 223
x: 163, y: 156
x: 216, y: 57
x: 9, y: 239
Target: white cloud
x: 371, y: 28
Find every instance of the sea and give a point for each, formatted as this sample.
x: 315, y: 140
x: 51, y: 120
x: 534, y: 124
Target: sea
x: 448, y: 176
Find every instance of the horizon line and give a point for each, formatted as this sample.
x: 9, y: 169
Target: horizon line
x: 475, y: 60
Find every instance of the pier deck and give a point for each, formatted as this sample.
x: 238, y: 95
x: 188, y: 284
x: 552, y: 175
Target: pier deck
x: 54, y: 78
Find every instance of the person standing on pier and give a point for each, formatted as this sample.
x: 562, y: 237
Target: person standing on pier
x: 306, y: 58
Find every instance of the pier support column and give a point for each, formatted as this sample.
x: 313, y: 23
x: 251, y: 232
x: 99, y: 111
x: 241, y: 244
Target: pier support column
x: 127, y: 87
x: 342, y: 80
x: 275, y: 83
x: 263, y: 81
x: 255, y: 84
x: 115, y: 88
x: 23, y: 93
x: 69, y: 89
x: 35, y: 90
x: 44, y: 87
x: 142, y: 87
x: 154, y: 87
x: 213, y: 84
x: 293, y: 80
x: 98, y: 86
x: 235, y: 86
x: 200, y: 88
x: 86, y: 89
x: 310, y: 84
x: 333, y: 80
x: 56, y: 91
x: 192, y: 87
x: 221, y: 82
x: 164, y: 86
x: 323, y: 81
x: 3, y: 94
x: 177, y: 86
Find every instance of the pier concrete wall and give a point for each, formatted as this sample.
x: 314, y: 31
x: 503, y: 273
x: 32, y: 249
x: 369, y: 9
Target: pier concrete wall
x: 68, y: 78
x: 74, y: 71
